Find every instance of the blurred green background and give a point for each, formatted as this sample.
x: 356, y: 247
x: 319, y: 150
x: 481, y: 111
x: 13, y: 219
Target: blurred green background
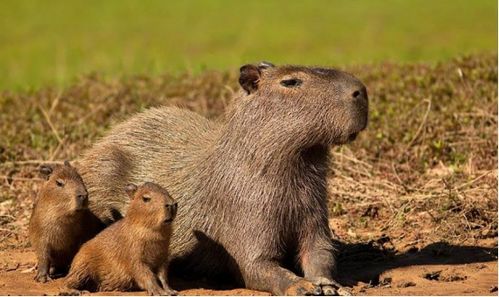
x: 51, y: 42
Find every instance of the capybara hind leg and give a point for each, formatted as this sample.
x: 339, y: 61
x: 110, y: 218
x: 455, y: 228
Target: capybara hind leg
x: 269, y: 276
x: 76, y: 280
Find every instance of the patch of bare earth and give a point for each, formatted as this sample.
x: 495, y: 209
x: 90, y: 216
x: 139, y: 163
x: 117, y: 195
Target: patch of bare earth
x: 368, y: 269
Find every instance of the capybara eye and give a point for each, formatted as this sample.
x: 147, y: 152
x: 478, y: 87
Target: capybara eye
x: 291, y: 83
x: 59, y: 183
x: 146, y: 199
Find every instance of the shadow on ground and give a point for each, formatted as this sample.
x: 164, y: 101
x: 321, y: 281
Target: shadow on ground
x: 365, y: 262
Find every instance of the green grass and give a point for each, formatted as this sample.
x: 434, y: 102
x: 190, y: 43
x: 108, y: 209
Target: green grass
x: 51, y: 42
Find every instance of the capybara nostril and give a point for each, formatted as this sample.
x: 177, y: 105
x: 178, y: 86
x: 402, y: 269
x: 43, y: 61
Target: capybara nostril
x: 356, y: 94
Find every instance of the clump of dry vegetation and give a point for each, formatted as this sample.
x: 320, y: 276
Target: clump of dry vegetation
x: 425, y: 170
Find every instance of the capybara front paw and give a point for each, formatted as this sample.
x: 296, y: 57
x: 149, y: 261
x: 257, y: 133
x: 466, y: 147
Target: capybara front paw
x: 42, y: 277
x: 303, y: 287
x: 161, y: 292
x: 330, y: 287
x: 169, y: 292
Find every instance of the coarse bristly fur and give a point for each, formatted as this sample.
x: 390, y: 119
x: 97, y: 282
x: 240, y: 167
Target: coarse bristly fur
x: 61, y: 221
x: 252, y: 187
x: 131, y: 253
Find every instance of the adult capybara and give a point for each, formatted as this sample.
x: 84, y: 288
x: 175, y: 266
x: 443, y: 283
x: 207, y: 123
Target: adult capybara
x: 133, y: 252
x: 61, y: 221
x: 252, y: 187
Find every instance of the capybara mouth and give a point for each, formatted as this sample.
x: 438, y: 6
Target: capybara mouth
x: 82, y: 205
x: 81, y: 208
x: 352, y: 136
x: 167, y: 221
x: 346, y: 138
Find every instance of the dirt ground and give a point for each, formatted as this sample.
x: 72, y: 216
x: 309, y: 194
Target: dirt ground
x: 367, y: 269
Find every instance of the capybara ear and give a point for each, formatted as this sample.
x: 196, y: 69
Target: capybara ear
x: 249, y: 77
x: 130, y: 189
x: 66, y: 163
x: 46, y: 170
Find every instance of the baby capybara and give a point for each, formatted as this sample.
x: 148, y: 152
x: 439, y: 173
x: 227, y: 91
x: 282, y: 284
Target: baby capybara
x: 61, y: 221
x: 133, y: 252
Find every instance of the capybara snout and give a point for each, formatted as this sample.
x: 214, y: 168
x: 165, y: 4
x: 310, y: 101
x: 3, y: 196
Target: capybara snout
x: 360, y: 104
x: 81, y: 200
x: 170, y: 211
x: 346, y: 106
x: 354, y: 94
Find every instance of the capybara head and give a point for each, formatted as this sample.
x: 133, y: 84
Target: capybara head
x: 327, y: 105
x: 151, y: 205
x: 64, y: 187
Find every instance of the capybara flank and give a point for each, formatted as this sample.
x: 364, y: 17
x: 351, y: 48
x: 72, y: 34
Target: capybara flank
x: 61, y: 220
x: 133, y: 252
x: 253, y: 185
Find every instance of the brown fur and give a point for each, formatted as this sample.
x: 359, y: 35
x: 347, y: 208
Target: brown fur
x: 133, y: 252
x: 61, y: 221
x: 252, y: 187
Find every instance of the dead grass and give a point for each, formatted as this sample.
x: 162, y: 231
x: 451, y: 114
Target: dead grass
x: 425, y: 170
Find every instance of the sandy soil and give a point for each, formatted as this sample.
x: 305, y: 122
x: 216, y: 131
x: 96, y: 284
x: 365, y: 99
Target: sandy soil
x: 437, y: 269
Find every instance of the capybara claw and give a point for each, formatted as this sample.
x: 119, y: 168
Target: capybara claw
x: 42, y: 278
x: 161, y: 292
x: 169, y: 292
x: 317, y: 291
x: 330, y: 287
x: 329, y: 291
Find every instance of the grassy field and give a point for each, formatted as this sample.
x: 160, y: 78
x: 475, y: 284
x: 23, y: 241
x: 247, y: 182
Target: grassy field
x: 52, y: 42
